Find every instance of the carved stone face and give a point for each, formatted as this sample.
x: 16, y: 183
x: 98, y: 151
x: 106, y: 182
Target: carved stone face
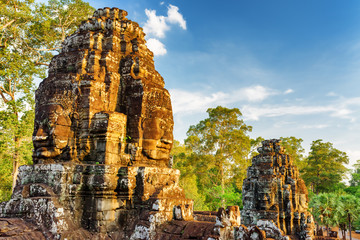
x: 51, y: 132
x: 157, y: 134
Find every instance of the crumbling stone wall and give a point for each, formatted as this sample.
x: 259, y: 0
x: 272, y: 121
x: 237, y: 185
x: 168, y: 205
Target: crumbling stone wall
x: 275, y: 198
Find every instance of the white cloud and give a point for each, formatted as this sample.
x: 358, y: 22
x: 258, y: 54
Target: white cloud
x: 175, y: 17
x: 288, y: 91
x: 155, y: 25
x: 251, y: 101
x: 255, y: 94
x: 190, y: 102
x: 331, y: 94
x: 319, y: 126
x: 255, y: 112
x: 342, y: 113
x: 339, y: 109
x: 157, y: 47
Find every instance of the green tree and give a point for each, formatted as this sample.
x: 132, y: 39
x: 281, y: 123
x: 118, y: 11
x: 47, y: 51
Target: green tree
x: 221, y: 147
x: 29, y: 35
x: 324, y: 168
x: 183, y: 160
x: 349, y: 208
x: 323, y: 208
x: 17, y: 71
x: 354, y: 187
x: 331, y: 209
x: 254, y: 145
x: 293, y: 147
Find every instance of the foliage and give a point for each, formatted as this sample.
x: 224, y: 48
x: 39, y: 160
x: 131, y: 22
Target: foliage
x: 58, y: 19
x: 220, y: 149
x: 293, y: 147
x: 254, y: 145
x: 324, y: 168
x: 355, y: 175
x: 323, y: 208
x: 333, y: 209
x: 218, y: 197
x: 29, y: 35
x: 187, y: 162
x: 182, y: 158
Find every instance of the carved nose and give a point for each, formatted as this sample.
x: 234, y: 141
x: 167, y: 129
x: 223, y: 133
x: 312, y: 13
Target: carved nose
x: 165, y: 140
x: 40, y: 135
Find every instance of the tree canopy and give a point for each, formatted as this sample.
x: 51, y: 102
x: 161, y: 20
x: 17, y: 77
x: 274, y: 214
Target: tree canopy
x: 325, y: 167
x: 293, y: 147
x: 30, y: 34
x: 335, y: 209
x: 217, y: 149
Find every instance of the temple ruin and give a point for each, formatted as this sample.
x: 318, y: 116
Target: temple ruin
x: 275, y: 198
x: 102, y: 170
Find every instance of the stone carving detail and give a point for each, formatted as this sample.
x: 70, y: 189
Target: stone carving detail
x: 104, y: 98
x: 275, y: 198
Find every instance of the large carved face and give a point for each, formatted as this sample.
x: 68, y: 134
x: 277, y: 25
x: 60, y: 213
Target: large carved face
x: 51, y: 132
x: 157, y: 134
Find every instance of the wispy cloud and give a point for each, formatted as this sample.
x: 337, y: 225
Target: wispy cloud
x: 256, y: 112
x: 315, y: 126
x: 342, y: 108
x: 254, y: 107
x: 190, y: 102
x: 288, y: 91
x: 331, y: 94
x: 254, y: 94
x: 157, y: 26
x: 175, y: 17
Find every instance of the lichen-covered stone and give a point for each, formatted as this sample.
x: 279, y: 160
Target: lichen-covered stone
x: 275, y: 198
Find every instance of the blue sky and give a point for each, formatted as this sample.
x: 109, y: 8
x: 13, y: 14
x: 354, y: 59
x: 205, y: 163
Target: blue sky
x: 291, y: 67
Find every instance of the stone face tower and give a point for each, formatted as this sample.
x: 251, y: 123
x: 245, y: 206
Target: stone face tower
x: 103, y: 100
x: 275, y: 198
x: 102, y: 138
